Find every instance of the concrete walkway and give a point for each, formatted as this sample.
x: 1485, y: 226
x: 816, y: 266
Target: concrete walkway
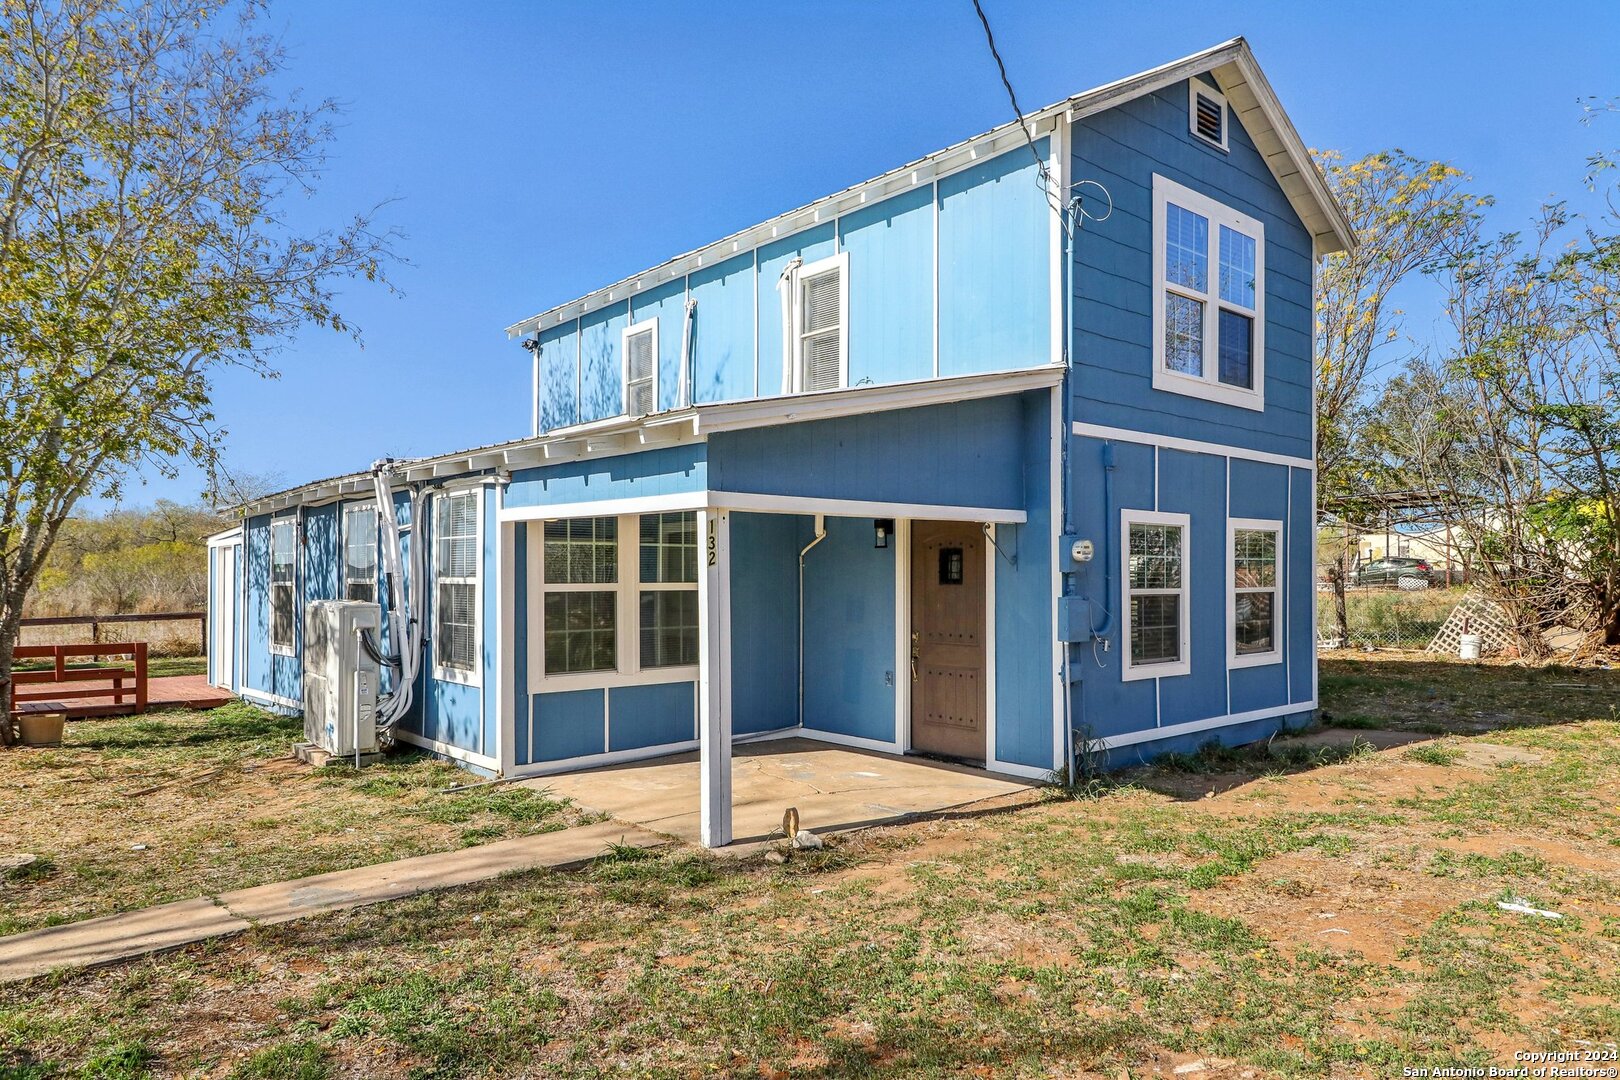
x: 169, y: 926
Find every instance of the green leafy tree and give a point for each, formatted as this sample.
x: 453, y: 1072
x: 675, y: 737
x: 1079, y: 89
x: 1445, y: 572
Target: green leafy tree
x: 146, y: 157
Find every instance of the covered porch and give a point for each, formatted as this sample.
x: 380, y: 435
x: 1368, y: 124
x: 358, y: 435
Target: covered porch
x: 834, y: 789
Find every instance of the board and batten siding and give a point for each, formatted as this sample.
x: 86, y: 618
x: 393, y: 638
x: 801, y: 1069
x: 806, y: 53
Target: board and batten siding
x: 977, y: 238
x: 1122, y: 148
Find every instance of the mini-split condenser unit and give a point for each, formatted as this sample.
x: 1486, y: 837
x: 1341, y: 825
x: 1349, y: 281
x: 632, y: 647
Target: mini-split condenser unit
x: 340, y: 677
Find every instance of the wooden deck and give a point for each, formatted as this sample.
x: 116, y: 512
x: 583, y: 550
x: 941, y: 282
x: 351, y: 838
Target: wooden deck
x: 167, y: 692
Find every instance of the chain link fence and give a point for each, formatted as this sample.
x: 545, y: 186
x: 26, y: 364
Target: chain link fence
x: 1385, y: 617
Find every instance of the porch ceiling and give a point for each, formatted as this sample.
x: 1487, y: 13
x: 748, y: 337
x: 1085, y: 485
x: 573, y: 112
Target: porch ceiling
x: 835, y: 789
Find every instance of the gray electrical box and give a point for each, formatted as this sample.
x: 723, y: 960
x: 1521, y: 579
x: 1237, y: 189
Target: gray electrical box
x: 340, y: 677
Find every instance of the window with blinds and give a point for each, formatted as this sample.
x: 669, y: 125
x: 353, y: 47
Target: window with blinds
x: 455, y: 574
x: 283, y: 583
x: 641, y: 369
x: 823, y: 336
x: 360, y: 554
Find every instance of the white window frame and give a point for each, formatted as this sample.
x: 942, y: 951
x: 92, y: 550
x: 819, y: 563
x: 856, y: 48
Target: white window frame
x: 288, y: 648
x: 627, y: 589
x: 1128, y: 671
x: 1208, y: 385
x: 1195, y: 87
x: 643, y: 327
x: 1278, y: 629
x: 473, y: 676
x: 376, y: 554
x: 840, y: 264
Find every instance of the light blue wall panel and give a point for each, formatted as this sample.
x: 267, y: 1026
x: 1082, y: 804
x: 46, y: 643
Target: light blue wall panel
x: 1101, y: 703
x: 1301, y: 589
x: 490, y: 613
x: 723, y: 330
x: 452, y: 715
x: 1195, y: 484
x: 809, y: 245
x: 258, y: 673
x: 321, y: 555
x: 665, y: 471
x: 765, y: 620
x: 520, y: 644
x: 559, y: 376
x: 967, y: 454
x: 891, y: 288
x: 994, y: 266
x: 1123, y: 148
x: 213, y: 591
x: 569, y: 724
x: 655, y: 715
x: 1024, y: 662
x: 849, y: 633
x: 601, y: 362
x: 665, y: 304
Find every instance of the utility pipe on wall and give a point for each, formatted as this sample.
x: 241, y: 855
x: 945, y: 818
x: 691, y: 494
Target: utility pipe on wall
x: 821, y: 534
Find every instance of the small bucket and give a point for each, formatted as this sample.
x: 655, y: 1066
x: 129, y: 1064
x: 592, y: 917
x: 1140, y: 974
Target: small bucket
x: 1469, y: 646
x: 41, y: 729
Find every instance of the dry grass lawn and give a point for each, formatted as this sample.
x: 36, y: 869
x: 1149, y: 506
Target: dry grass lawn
x: 1307, y: 909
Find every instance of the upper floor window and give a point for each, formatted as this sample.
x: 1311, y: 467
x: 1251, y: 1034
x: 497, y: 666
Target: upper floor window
x: 455, y: 576
x: 641, y: 368
x: 360, y: 554
x: 283, y: 584
x: 821, y: 317
x: 1209, y: 298
x: 1206, y: 112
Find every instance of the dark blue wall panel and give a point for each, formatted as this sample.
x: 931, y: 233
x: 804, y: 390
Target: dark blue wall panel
x: 654, y: 715
x: 765, y: 620
x: 849, y: 633
x: 569, y: 724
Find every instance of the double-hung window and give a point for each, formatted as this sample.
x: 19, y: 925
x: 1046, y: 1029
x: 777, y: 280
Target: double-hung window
x: 580, y: 595
x: 1209, y: 298
x: 821, y: 339
x: 668, y: 599
x: 360, y: 554
x: 617, y: 599
x: 455, y: 576
x: 1254, y: 618
x: 641, y: 368
x: 283, y: 584
x: 1154, y: 553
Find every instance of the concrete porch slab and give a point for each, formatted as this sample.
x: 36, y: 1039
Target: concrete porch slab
x: 835, y: 789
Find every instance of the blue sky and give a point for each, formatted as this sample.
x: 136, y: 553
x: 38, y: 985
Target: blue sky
x: 535, y: 151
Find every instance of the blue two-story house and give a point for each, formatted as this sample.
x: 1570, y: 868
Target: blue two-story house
x: 1001, y: 456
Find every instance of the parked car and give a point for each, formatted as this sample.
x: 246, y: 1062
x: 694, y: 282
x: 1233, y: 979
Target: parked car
x: 1393, y: 571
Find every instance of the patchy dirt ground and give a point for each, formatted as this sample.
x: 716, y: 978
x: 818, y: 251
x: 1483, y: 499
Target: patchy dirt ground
x: 1316, y: 907
x: 135, y: 811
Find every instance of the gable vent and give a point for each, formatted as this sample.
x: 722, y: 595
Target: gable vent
x: 639, y: 361
x: 1208, y: 109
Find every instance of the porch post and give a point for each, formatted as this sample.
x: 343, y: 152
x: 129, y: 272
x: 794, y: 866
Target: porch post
x: 714, y: 677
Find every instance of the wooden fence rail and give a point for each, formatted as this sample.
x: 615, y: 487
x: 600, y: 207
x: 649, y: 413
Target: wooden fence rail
x: 95, y: 622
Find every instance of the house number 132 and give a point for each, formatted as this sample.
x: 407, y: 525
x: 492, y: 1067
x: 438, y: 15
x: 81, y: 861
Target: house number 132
x: 713, y: 558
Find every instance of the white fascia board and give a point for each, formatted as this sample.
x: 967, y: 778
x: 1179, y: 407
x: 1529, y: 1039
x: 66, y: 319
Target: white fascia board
x: 1315, y: 201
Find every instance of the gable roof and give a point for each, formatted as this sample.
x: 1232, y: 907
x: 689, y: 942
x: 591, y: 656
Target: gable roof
x: 1236, y: 72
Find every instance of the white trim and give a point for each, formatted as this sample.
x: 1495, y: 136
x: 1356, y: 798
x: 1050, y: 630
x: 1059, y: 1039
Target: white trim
x: 473, y: 676
x: 1058, y: 168
x: 248, y: 693
x: 1208, y: 384
x: 1191, y: 446
x: 639, y: 504
x: 1132, y: 738
x: 505, y: 585
x: 229, y: 536
x: 344, y: 509
x: 987, y: 533
x: 1129, y: 672
x: 1054, y: 502
x: 793, y: 504
x: 833, y: 264
x: 714, y: 682
x: 1195, y: 87
x: 838, y: 738
x: 1279, y: 621
x: 596, y: 761
x: 647, y: 326
x: 447, y: 750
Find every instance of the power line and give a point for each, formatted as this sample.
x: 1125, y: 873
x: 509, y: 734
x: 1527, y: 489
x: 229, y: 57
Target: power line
x: 1047, y: 182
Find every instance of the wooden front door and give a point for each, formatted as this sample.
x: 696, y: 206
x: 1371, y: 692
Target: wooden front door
x: 947, y: 639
